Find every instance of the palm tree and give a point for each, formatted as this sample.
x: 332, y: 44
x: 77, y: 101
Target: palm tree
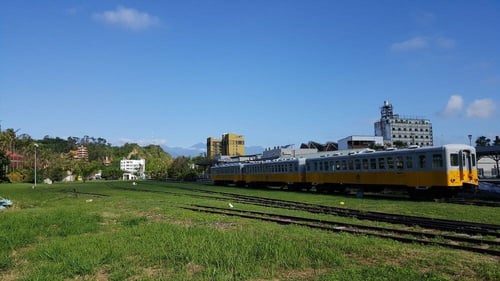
x: 483, y: 141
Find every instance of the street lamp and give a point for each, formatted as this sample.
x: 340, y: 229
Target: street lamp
x: 36, y: 146
x: 470, y: 140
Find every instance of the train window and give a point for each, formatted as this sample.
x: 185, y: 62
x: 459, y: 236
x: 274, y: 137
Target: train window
x: 373, y: 163
x: 321, y: 166
x: 409, y: 162
x: 437, y: 161
x: 357, y: 163
x: 421, y: 161
x: 399, y: 162
x: 308, y: 167
x: 454, y: 160
x: 365, y: 164
x: 344, y: 165
x: 315, y: 166
x: 390, y: 163
x: 351, y: 164
x: 381, y: 163
x: 473, y: 159
x: 337, y: 165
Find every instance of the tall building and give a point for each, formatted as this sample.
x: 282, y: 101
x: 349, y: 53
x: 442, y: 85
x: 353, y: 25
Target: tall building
x: 214, y: 147
x: 409, y: 131
x: 230, y: 144
x: 233, y: 144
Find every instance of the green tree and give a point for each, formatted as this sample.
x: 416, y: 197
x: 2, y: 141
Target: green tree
x: 399, y: 144
x: 496, y: 141
x: 483, y: 141
x: 4, y: 163
x: 85, y: 169
x: 112, y: 172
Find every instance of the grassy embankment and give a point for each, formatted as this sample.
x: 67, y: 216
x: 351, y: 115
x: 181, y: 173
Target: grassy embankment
x: 51, y: 233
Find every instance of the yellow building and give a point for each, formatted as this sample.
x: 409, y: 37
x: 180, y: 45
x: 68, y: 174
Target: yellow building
x: 230, y: 145
x: 214, y: 147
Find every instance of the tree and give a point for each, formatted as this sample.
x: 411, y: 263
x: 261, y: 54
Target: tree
x: 399, y: 144
x: 496, y: 141
x: 4, y: 162
x: 181, y: 169
x: 86, y: 169
x: 483, y: 141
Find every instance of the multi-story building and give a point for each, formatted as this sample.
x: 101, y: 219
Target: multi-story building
x: 133, y: 166
x: 233, y: 144
x: 214, y: 147
x: 80, y: 152
x: 408, y: 131
x: 230, y: 144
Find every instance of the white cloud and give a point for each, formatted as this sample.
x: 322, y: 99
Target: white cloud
x: 444, y: 43
x: 454, y: 106
x: 411, y: 44
x: 423, y: 42
x: 482, y: 108
x: 128, y: 18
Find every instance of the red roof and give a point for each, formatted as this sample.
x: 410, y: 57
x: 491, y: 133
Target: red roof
x: 14, y: 156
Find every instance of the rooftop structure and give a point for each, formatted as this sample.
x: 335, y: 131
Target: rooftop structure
x: 354, y: 142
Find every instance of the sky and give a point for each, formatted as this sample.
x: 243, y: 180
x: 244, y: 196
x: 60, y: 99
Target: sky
x: 278, y: 72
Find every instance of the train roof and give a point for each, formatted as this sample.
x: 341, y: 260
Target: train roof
x: 398, y: 151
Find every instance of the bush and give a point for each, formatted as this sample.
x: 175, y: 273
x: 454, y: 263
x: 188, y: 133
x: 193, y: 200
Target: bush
x: 15, y: 177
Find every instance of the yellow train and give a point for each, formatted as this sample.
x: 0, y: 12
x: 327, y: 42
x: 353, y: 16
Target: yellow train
x: 442, y: 170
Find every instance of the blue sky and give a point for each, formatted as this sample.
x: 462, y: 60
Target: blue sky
x: 278, y: 72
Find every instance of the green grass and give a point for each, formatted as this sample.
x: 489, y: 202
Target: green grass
x: 52, y: 233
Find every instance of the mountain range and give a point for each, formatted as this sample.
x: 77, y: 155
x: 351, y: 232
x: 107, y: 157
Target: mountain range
x: 201, y: 149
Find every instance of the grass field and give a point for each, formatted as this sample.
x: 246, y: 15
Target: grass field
x: 107, y: 233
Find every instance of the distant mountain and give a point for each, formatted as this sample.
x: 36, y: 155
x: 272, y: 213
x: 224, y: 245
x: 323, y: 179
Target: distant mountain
x: 201, y: 148
x: 192, y: 151
x: 250, y: 150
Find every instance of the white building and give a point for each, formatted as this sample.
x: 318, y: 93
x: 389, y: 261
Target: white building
x: 409, y: 131
x: 354, y: 142
x: 487, y: 167
x: 133, y: 167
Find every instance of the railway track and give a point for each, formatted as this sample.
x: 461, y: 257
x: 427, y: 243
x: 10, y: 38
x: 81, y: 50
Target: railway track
x: 456, y: 227
x: 406, y: 236
x: 469, y: 228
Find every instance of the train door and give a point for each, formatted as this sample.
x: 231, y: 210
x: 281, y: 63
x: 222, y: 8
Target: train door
x: 466, y: 165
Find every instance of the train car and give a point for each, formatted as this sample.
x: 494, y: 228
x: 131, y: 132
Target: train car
x: 442, y: 169
x: 288, y: 173
x: 227, y: 174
